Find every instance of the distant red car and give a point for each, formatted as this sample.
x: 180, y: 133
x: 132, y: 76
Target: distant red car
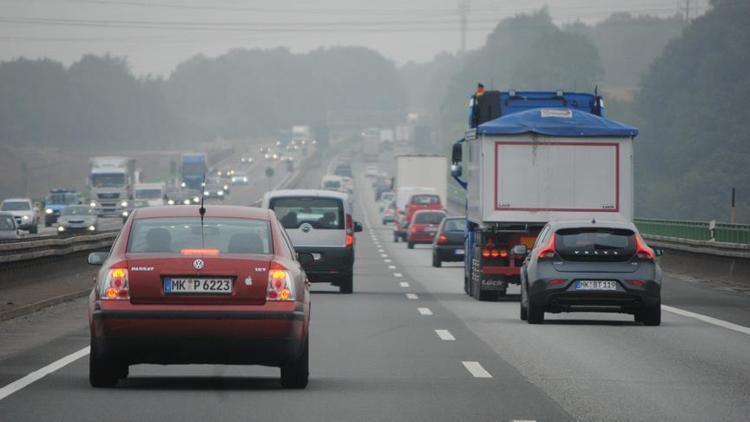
x: 423, y: 226
x: 179, y: 289
x: 422, y: 201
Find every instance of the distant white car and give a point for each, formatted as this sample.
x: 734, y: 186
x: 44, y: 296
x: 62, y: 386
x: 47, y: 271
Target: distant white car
x: 78, y: 218
x: 240, y: 178
x: 24, y: 212
x: 371, y: 171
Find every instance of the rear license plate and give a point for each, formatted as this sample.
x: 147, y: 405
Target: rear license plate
x: 219, y: 286
x: 317, y: 256
x: 459, y: 252
x: 596, y: 285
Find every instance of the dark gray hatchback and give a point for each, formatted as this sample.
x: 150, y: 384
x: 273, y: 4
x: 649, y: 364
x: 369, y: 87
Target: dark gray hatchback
x: 590, y: 266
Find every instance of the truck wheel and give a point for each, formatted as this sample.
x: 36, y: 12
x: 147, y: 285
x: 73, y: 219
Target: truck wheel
x: 296, y: 373
x: 346, y: 284
x: 436, y: 262
x: 649, y: 315
x: 410, y: 245
x: 534, y: 313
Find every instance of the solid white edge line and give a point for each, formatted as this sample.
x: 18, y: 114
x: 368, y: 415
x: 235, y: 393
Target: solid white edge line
x: 424, y: 311
x: 707, y: 319
x: 476, y: 370
x: 445, y: 335
x: 404, y: 284
x: 412, y: 296
x: 41, y: 373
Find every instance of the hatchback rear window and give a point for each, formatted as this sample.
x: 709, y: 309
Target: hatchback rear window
x: 595, y: 243
x: 320, y: 213
x: 428, y: 218
x: 332, y: 184
x: 225, y: 235
x: 425, y: 200
x: 455, y: 225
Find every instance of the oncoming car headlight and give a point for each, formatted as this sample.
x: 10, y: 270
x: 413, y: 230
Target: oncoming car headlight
x: 48, y: 211
x: 170, y: 202
x: 124, y: 203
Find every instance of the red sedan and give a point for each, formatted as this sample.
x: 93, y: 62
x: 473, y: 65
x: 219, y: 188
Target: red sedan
x: 424, y: 224
x: 178, y: 287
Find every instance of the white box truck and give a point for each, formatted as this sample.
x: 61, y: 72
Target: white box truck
x: 530, y: 158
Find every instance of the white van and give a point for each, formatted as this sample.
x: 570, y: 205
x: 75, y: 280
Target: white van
x: 320, y: 223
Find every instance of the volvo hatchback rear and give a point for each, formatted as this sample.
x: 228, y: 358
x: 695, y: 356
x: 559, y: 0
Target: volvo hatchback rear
x: 178, y: 288
x: 591, y: 267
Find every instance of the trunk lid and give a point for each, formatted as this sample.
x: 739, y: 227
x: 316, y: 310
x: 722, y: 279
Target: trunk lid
x: 248, y: 275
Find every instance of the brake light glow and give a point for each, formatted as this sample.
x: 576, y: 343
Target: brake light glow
x: 442, y: 239
x: 485, y: 253
x: 199, y: 251
x: 115, y: 285
x: 642, y: 250
x: 349, y: 240
x: 549, y: 250
x: 280, y: 286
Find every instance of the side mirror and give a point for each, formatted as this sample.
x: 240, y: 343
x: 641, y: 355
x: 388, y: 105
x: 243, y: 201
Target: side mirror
x: 305, y: 258
x: 658, y: 251
x: 456, y: 170
x: 519, y: 250
x: 97, y: 258
x: 357, y: 227
x: 457, y: 152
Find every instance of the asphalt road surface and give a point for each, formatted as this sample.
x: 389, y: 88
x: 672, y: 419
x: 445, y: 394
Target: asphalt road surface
x: 410, y: 345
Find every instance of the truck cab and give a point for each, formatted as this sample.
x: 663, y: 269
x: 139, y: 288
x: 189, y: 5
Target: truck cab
x: 111, y: 182
x: 529, y: 158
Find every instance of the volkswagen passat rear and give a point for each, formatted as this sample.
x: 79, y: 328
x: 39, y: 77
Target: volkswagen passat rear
x: 590, y: 267
x: 178, y: 288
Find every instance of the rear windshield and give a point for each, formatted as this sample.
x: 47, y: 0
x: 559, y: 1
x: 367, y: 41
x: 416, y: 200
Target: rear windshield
x: 595, y: 243
x: 78, y: 210
x: 227, y: 235
x: 455, y: 225
x: 16, y: 206
x: 428, y: 218
x: 425, y: 200
x: 332, y: 184
x: 321, y: 213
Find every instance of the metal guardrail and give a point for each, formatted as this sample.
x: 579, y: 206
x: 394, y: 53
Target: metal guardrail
x: 696, y: 230
x: 48, y: 247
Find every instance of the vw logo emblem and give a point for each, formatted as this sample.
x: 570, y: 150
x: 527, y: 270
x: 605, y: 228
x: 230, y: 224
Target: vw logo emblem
x: 198, y: 264
x: 306, y: 228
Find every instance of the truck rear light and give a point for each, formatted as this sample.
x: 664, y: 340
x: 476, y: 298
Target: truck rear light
x: 115, y: 285
x: 548, y: 251
x: 503, y: 253
x: 495, y: 253
x: 556, y: 282
x: 280, y: 286
x: 485, y: 253
x: 442, y: 239
x: 642, y: 250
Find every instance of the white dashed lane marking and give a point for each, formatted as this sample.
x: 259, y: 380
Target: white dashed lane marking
x: 424, y: 311
x: 404, y: 284
x: 391, y: 267
x: 412, y: 296
x: 476, y: 369
x: 398, y: 275
x: 445, y: 335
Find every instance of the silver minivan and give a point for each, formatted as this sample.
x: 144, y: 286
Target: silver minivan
x: 320, y: 223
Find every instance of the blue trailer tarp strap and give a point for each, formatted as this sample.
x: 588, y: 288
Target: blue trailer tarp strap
x: 562, y: 122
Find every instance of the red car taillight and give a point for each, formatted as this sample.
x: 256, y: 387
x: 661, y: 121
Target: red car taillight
x: 642, y: 250
x: 548, y: 251
x: 442, y: 239
x: 280, y: 286
x: 115, y: 285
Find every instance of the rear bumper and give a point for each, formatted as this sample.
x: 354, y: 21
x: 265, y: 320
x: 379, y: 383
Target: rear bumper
x: 448, y: 252
x: 567, y: 299
x: 182, y: 337
x: 334, y: 263
x: 421, y: 237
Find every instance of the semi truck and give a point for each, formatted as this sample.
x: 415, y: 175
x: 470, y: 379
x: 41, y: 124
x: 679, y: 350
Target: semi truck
x: 193, y: 170
x: 371, y: 144
x: 111, y: 182
x: 528, y: 158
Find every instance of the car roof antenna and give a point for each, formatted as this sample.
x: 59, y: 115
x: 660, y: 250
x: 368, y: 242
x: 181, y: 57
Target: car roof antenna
x: 202, y: 211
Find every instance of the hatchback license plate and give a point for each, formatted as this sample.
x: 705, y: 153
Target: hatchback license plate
x: 221, y: 286
x: 596, y: 285
x: 459, y: 252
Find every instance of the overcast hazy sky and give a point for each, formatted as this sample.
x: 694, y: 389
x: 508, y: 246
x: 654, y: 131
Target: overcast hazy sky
x: 156, y: 35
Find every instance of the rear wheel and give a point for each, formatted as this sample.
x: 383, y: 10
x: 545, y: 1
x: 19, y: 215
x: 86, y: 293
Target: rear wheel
x: 410, y: 245
x: 104, y: 371
x: 346, y: 284
x: 295, y: 374
x: 649, y: 315
x: 436, y: 262
x: 395, y: 237
x: 524, y: 309
x: 534, y: 313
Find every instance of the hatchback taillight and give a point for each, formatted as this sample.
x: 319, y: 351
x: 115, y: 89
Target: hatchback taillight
x: 115, y: 285
x: 548, y: 251
x: 280, y: 286
x: 442, y: 239
x: 642, y: 250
